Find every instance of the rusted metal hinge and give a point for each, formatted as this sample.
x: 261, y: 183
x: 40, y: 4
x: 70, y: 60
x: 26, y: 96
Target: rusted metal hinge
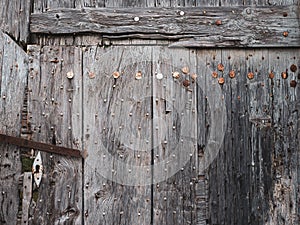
x: 40, y: 146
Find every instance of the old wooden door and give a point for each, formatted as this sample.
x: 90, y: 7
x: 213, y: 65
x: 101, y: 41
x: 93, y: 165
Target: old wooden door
x: 184, y: 112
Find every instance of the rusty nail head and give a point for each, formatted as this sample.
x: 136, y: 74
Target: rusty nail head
x: 285, y: 33
x: 293, y: 83
x: 284, y: 75
x: 138, y: 75
x: 116, y: 74
x: 221, y: 80
x: 194, y: 76
x: 176, y: 74
x: 185, y: 70
x: 214, y: 74
x: 250, y: 75
x: 186, y: 83
x: 232, y: 74
x: 271, y: 75
x: 220, y: 67
x: 218, y: 22
x: 293, y: 68
x: 285, y: 14
x: 91, y: 75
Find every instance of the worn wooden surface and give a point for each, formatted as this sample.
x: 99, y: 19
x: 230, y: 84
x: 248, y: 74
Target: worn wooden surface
x: 117, y: 135
x: 197, y: 26
x: 55, y: 114
x: 14, y: 19
x: 13, y: 76
x: 175, y: 138
x: 27, y: 196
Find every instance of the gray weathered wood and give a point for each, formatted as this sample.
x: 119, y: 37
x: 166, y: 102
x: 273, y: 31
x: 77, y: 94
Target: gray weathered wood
x: 27, y: 195
x: 285, y: 101
x: 117, y: 135
x: 174, y: 138
x: 55, y: 114
x: 237, y: 28
x: 14, y: 19
x: 13, y: 77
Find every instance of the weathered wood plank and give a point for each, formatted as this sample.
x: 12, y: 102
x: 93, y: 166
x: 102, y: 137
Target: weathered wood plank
x: 241, y: 26
x: 14, y: 19
x: 285, y: 101
x: 117, y: 135
x: 55, y: 114
x: 27, y: 195
x: 174, y: 137
x: 13, y: 78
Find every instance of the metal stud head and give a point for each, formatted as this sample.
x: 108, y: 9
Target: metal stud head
x: 186, y: 83
x: 176, y: 75
x: 70, y: 75
x: 221, y: 80
x: 214, y: 74
x: 232, y: 74
x: 250, y: 75
x: 91, y: 75
x: 221, y: 67
x: 159, y: 76
x: 138, y: 75
x: 284, y: 75
x: 116, y: 74
x: 194, y: 76
x: 271, y: 75
x: 185, y: 70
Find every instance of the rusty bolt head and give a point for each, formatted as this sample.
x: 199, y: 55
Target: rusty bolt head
x: 285, y: 33
x: 221, y: 80
x: 250, y: 75
x: 218, y: 22
x: 284, y: 75
x: 232, y: 74
x: 92, y: 75
x: 186, y: 83
x: 194, y: 76
x: 293, y: 68
x: 185, y: 70
x: 116, y: 74
x: 214, y: 74
x: 176, y: 75
x: 220, y: 67
x: 138, y: 75
x: 271, y: 75
x: 293, y: 83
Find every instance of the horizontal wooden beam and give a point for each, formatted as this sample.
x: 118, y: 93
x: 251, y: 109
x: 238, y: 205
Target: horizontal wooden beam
x: 40, y: 146
x: 192, y: 27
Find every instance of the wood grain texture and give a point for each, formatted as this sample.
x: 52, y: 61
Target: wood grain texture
x: 14, y: 19
x: 27, y: 195
x: 174, y: 138
x: 13, y: 78
x: 117, y: 135
x: 55, y: 106
x: 241, y: 26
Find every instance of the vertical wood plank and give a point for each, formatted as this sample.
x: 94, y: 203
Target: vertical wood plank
x: 175, y: 138
x: 286, y: 173
x: 13, y: 80
x: 55, y: 103
x: 117, y: 135
x: 27, y: 195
